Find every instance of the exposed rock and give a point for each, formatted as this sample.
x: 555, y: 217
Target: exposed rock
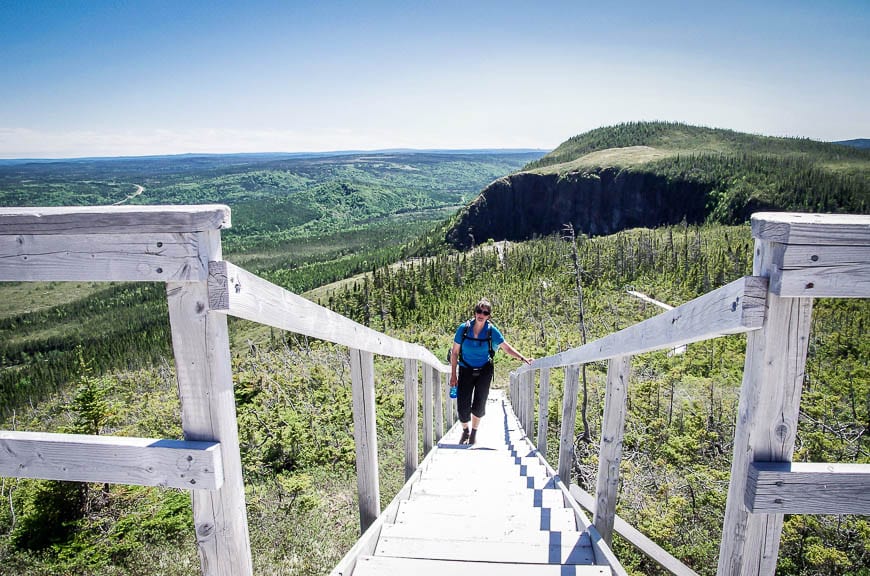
x: 597, y: 202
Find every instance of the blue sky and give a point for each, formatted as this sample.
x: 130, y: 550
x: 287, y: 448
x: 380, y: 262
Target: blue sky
x: 98, y: 78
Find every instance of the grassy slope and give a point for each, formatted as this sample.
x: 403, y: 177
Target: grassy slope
x: 634, y: 144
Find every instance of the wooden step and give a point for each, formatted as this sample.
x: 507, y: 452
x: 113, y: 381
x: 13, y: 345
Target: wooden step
x: 461, y: 482
x: 551, y: 519
x: 466, y: 460
x: 544, y: 518
x: 483, y: 501
x: 546, y: 548
x: 385, y: 566
x: 458, y: 472
x: 480, y: 454
x: 519, y: 534
x: 497, y: 489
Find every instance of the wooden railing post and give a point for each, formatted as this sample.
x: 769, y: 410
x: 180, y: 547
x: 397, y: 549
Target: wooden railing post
x: 362, y: 372
x: 569, y: 419
x: 610, y: 453
x: 427, y: 409
x: 513, y: 392
x: 450, y: 403
x: 410, y: 420
x: 530, y: 405
x: 767, y: 417
x: 438, y: 396
x: 200, y: 344
x: 543, y: 410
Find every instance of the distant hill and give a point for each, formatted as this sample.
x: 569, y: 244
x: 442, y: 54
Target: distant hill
x: 273, y: 196
x: 648, y: 174
x: 856, y: 143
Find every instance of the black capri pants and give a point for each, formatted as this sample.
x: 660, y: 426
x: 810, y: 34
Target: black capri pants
x: 472, y: 391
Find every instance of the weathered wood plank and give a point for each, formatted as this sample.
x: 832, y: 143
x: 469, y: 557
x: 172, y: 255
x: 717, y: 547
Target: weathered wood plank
x: 387, y: 566
x: 145, y: 257
x: 365, y: 436
x: 820, y: 271
x: 610, y: 453
x: 733, y: 309
x: 569, y: 419
x: 438, y: 398
x: 410, y: 419
x: 428, y: 417
x: 549, y: 548
x: 122, y: 460
x: 813, y: 229
x: 808, y: 488
x: 478, y: 531
x: 543, y: 410
x: 200, y: 343
x: 114, y: 219
x: 464, y: 482
x: 237, y: 292
x: 483, y: 500
x: 767, y: 417
x: 529, y: 381
x: 635, y: 537
x: 556, y: 519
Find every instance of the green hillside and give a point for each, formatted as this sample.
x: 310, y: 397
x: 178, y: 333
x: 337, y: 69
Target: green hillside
x: 650, y: 174
x: 741, y: 173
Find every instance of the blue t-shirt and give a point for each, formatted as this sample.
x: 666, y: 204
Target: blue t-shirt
x: 475, y: 353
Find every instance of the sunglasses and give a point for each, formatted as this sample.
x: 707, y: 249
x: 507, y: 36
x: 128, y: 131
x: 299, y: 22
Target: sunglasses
x: 482, y: 311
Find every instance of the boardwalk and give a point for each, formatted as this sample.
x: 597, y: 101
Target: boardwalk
x: 487, y: 509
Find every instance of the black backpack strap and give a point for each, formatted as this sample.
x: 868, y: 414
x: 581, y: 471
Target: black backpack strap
x: 488, y: 327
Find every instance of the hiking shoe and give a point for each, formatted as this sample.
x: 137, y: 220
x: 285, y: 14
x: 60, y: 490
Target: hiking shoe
x: 473, y: 437
x: 465, y: 436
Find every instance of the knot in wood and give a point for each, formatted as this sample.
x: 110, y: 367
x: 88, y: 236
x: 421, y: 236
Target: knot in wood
x: 205, y: 530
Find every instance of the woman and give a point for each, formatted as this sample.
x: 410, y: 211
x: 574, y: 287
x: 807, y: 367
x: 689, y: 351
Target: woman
x: 474, y: 345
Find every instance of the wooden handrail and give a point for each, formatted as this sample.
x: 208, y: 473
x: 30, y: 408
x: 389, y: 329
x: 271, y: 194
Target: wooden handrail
x: 237, y: 292
x: 732, y: 309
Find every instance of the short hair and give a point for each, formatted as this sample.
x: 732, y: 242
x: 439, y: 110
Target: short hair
x: 483, y: 303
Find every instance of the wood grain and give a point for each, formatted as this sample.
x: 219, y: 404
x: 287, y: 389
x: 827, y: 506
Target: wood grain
x: 114, y: 459
x: 114, y: 219
x: 145, y: 257
x: 808, y: 488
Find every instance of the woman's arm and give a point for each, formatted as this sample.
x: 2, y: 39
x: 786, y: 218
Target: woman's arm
x: 512, y: 352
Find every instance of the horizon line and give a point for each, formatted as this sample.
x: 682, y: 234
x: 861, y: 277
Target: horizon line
x: 288, y: 154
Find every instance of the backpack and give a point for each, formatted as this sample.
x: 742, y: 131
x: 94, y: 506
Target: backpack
x: 487, y: 328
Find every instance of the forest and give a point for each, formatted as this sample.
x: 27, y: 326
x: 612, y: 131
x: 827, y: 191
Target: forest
x: 61, y: 373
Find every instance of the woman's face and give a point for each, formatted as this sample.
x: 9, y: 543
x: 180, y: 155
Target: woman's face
x: 482, y: 313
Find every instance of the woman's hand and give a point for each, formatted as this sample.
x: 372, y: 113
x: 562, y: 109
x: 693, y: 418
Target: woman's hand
x: 453, y: 379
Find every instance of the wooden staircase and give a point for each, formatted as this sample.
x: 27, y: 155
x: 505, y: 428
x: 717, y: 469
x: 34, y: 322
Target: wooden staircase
x: 491, y: 508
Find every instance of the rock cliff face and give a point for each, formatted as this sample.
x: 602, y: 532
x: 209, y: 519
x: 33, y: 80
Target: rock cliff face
x: 598, y: 202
